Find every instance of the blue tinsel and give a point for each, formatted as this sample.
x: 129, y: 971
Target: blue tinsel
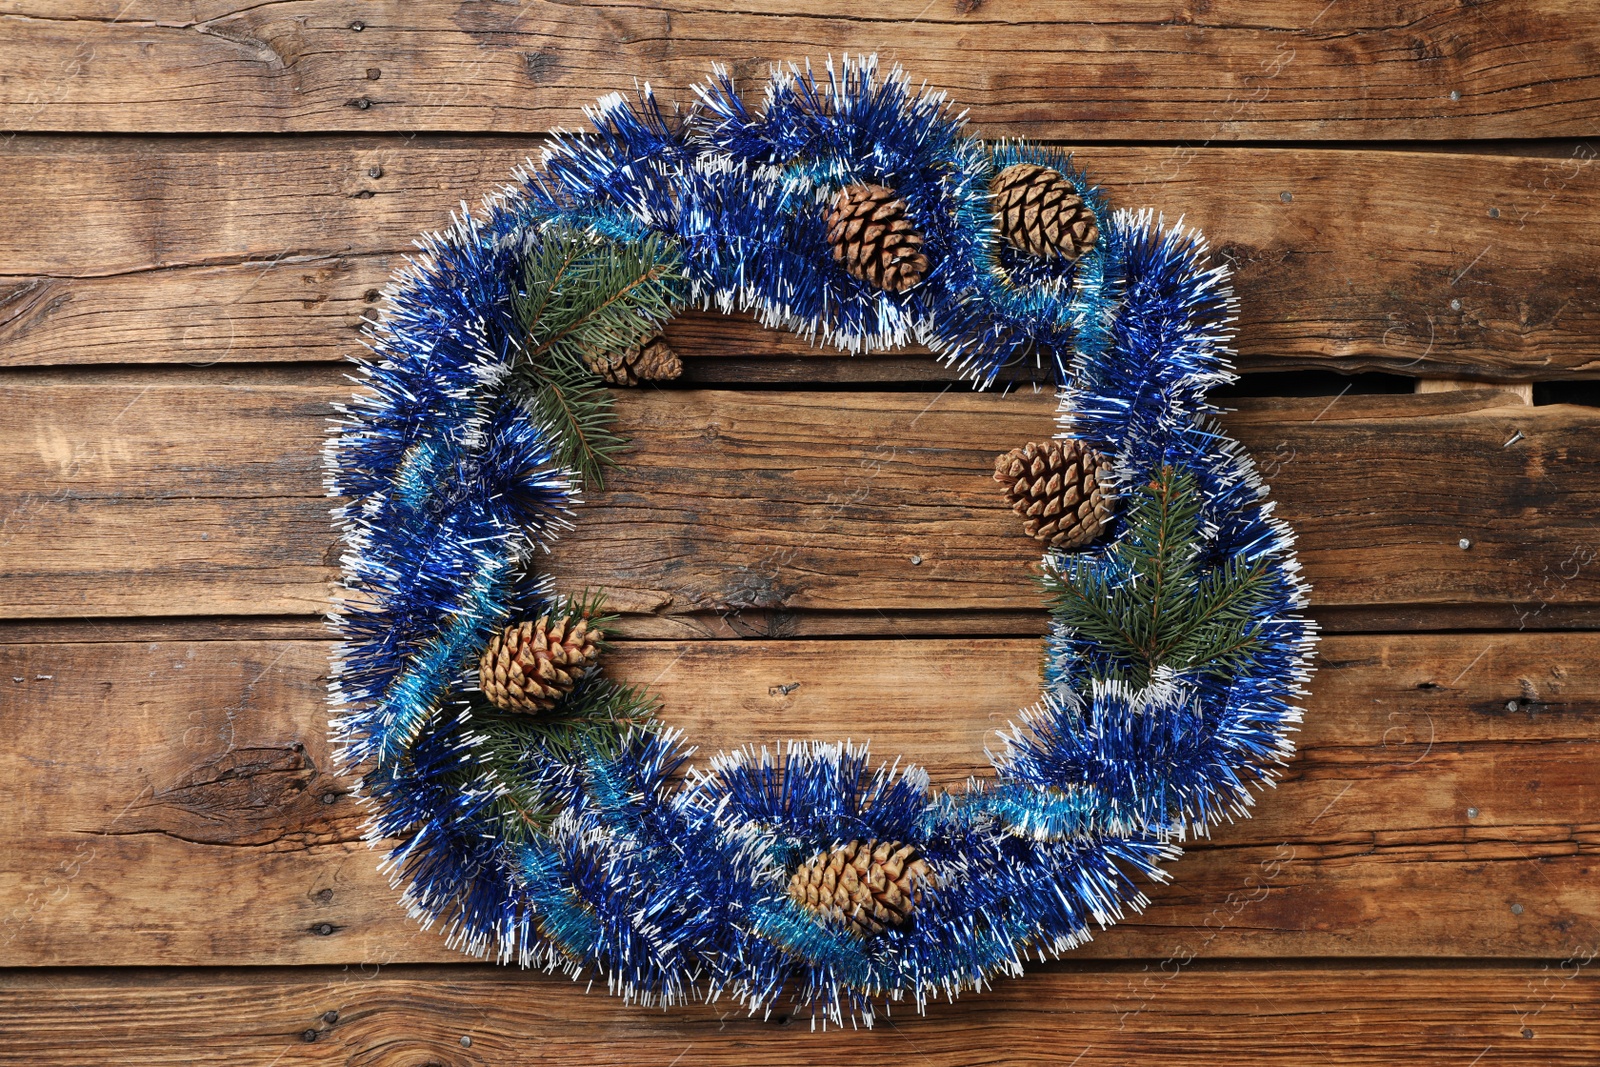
x: 681, y: 892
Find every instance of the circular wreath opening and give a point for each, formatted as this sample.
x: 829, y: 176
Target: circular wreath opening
x: 539, y: 809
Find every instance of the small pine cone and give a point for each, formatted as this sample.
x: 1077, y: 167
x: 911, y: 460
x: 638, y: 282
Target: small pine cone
x: 653, y: 360
x: 874, y: 240
x: 1040, y: 213
x: 531, y: 665
x: 868, y: 885
x: 1056, y: 489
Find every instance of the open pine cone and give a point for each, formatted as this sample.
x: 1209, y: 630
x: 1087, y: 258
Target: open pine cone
x: 867, y: 884
x: 873, y: 239
x: 1056, y: 489
x: 1039, y: 212
x: 652, y: 360
x: 530, y: 666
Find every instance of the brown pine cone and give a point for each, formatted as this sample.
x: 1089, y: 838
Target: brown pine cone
x: 652, y: 360
x: 873, y: 239
x: 1056, y: 489
x: 868, y: 885
x: 531, y: 665
x: 1039, y: 212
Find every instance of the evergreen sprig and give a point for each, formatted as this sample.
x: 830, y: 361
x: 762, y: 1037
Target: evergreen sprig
x: 526, y: 763
x: 582, y: 298
x: 589, y: 604
x: 1152, y: 601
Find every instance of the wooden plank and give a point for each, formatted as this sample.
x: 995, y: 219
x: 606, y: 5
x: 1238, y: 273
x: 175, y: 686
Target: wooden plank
x: 202, y: 499
x: 781, y: 625
x: 777, y: 529
x: 172, y: 492
x: 173, y: 801
x: 200, y: 250
x: 1541, y: 1014
x: 1523, y: 391
x: 1300, y: 70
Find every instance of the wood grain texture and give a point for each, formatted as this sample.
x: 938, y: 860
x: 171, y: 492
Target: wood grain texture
x: 170, y: 492
x: 203, y: 250
x: 1240, y: 69
x: 179, y: 491
x: 174, y: 801
x: 1419, y: 887
x: 1198, y: 1016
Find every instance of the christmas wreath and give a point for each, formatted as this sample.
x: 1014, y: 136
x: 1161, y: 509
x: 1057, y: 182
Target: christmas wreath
x: 535, y: 805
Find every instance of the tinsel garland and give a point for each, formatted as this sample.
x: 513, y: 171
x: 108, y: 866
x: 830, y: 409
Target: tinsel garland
x: 596, y: 849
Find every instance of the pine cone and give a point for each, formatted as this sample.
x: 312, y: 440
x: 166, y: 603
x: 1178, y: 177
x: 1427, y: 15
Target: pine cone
x: 531, y: 665
x: 653, y: 360
x: 874, y: 240
x: 1056, y: 489
x: 866, y: 884
x: 1040, y: 213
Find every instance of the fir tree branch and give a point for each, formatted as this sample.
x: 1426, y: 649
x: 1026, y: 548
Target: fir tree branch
x: 1226, y: 598
x: 581, y: 409
x: 530, y: 311
x: 528, y: 764
x: 1095, y: 609
x: 654, y: 274
x: 1149, y: 603
x: 1163, y: 581
x: 584, y: 297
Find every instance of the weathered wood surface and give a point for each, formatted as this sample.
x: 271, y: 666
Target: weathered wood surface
x: 1299, y: 70
x: 173, y: 802
x: 170, y: 797
x: 1197, y: 1016
x: 171, y: 492
x: 202, y: 250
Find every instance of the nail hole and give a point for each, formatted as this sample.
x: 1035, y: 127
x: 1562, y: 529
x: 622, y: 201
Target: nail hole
x: 373, y: 74
x: 374, y: 172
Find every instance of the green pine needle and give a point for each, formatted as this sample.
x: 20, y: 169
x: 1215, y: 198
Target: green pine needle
x: 583, y: 298
x: 1173, y: 611
x: 589, y: 604
x: 593, y: 718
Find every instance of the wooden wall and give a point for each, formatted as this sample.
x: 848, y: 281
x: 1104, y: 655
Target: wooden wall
x: 198, y: 204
